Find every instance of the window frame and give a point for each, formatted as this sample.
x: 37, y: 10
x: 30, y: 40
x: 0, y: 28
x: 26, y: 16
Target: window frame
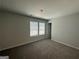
x: 38, y: 28
x: 44, y: 28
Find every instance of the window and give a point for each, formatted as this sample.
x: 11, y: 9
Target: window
x: 33, y: 28
x: 41, y: 28
x: 37, y: 28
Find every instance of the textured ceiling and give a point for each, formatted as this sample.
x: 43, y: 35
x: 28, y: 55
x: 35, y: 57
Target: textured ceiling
x: 42, y: 8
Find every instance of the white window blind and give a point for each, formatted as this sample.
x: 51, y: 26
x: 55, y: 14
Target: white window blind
x: 41, y: 28
x: 33, y: 28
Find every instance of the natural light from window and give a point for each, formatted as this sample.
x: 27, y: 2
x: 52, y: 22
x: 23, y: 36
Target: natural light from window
x: 41, y: 28
x: 33, y: 28
x: 37, y: 28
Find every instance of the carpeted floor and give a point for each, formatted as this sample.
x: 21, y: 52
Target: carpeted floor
x: 43, y: 49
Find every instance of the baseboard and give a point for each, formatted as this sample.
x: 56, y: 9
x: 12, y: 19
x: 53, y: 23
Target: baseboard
x: 18, y: 45
x: 35, y: 41
x: 14, y: 46
x: 67, y: 45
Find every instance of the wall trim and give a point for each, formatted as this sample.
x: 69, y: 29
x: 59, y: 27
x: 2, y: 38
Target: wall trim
x: 35, y: 41
x: 67, y: 44
x: 10, y: 47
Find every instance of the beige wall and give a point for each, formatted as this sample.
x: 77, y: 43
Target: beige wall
x: 1, y: 26
x: 15, y: 30
x: 66, y: 30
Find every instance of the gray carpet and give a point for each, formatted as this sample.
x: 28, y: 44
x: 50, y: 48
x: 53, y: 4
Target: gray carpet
x: 44, y: 49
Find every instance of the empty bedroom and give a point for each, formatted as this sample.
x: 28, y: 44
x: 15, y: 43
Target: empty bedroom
x: 39, y: 29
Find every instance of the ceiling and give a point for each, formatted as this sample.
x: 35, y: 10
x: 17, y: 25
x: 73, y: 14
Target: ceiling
x: 47, y: 9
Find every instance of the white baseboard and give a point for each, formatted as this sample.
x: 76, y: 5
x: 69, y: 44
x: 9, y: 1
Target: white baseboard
x: 13, y: 46
x: 17, y: 45
x: 34, y: 41
x: 67, y: 44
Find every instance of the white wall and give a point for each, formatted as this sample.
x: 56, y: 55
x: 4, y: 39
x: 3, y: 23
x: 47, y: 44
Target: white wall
x: 1, y: 29
x: 15, y: 30
x: 66, y: 30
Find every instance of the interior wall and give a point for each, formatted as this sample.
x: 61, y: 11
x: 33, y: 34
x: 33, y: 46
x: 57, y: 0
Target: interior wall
x: 16, y: 30
x: 66, y: 30
x: 1, y: 28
